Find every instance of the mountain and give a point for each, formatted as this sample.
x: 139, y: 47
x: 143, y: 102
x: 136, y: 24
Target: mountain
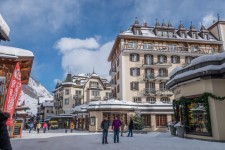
x: 32, y: 92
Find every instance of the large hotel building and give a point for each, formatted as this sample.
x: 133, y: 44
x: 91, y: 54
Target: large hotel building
x: 142, y: 58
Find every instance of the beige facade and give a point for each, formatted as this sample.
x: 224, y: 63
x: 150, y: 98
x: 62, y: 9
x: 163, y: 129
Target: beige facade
x: 79, y: 89
x: 143, y: 57
x: 45, y: 110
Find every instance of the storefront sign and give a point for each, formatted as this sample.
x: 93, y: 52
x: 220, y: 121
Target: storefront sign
x: 13, y: 94
x: 17, y: 130
x: 2, y: 82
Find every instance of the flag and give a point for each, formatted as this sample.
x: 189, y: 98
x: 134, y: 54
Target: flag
x: 13, y: 94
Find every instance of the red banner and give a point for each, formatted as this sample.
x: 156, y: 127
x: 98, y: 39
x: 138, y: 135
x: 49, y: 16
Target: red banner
x: 13, y: 94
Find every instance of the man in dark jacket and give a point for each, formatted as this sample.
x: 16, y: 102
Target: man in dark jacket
x: 105, y: 128
x: 130, y: 127
x: 4, y: 136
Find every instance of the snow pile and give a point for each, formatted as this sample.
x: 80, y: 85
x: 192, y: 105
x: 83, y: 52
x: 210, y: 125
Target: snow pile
x: 4, y: 27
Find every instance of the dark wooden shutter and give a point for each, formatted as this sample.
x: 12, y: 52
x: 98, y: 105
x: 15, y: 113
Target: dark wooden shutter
x: 131, y: 86
x: 137, y: 86
x: 138, y: 71
x: 131, y: 73
x: 178, y: 59
x: 138, y: 57
x: 131, y: 57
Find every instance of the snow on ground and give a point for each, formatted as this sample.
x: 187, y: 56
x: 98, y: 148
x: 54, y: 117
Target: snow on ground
x: 82, y: 140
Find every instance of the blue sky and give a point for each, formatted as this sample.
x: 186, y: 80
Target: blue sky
x: 77, y: 35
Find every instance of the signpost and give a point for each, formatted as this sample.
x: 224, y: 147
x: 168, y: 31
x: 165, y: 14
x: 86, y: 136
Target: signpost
x: 17, y: 130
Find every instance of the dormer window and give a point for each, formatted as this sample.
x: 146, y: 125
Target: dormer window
x: 182, y: 34
x: 165, y: 34
x: 170, y: 34
x: 159, y: 33
x: 138, y: 32
x: 205, y: 36
x: 194, y: 35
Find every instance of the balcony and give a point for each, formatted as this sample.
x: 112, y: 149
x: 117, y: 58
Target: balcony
x: 162, y: 77
x: 149, y: 92
x: 95, y: 87
x: 96, y: 98
x: 112, y: 71
x: 78, y: 96
x: 169, y: 49
x: 164, y: 92
x: 150, y: 77
x: 156, y: 65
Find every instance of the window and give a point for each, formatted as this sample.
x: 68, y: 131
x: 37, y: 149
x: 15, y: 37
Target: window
x: 147, y: 46
x: 134, y: 57
x: 163, y: 72
x: 67, y: 91
x: 95, y: 93
x: 107, y: 94
x: 94, y: 84
x: 78, y: 92
x: 159, y: 33
x: 172, y: 47
x: 151, y: 100
x: 162, y: 86
x: 182, y: 34
x: 188, y: 59
x: 135, y: 71
x: 161, y: 120
x: 170, y: 34
x: 149, y: 73
x: 162, y: 59
x: 134, y: 86
x: 165, y: 100
x: 165, y: 34
x: 205, y: 36
x: 138, y: 32
x: 66, y: 102
x: 137, y: 99
x: 147, y: 119
x: 118, y: 75
x: 194, y: 48
x: 175, y: 59
x: 150, y: 87
x: 148, y: 59
x: 132, y: 45
x: 194, y: 35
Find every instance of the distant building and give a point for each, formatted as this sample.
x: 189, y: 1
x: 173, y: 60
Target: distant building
x: 79, y: 89
x: 45, y: 110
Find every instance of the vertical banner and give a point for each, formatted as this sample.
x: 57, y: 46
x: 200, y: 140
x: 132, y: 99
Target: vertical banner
x: 13, y: 94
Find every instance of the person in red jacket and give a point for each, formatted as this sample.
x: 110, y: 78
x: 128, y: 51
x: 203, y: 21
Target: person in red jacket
x: 116, y: 128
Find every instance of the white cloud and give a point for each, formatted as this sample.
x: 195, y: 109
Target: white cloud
x: 80, y: 56
x: 208, y: 20
x: 44, y: 15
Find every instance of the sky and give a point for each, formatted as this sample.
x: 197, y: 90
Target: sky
x: 77, y: 35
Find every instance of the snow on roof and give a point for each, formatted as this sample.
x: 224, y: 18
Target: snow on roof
x: 4, y: 27
x: 13, y: 51
x: 201, y: 59
x: 21, y: 112
x: 47, y: 104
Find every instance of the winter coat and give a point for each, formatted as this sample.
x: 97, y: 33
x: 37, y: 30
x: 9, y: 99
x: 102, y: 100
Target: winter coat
x: 116, y: 124
x: 71, y: 125
x: 105, y: 125
x: 38, y: 126
x: 45, y: 126
x: 131, y: 125
x: 4, y: 136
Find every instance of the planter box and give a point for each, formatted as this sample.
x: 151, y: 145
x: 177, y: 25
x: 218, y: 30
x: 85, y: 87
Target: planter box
x: 172, y: 130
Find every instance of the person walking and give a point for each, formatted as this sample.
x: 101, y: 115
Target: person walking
x: 71, y: 126
x: 45, y: 126
x: 130, y: 127
x: 122, y: 126
x: 30, y: 126
x: 38, y: 127
x: 4, y: 135
x: 105, y: 128
x: 116, y: 128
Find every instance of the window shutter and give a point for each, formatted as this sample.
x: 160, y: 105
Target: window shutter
x: 131, y: 73
x: 138, y: 71
x: 178, y: 59
x: 131, y: 87
x: 165, y: 59
x: 137, y: 86
x: 131, y: 57
x: 138, y: 57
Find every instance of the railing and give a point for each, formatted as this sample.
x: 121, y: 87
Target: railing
x: 177, y: 49
x: 106, y: 97
x: 164, y: 92
x: 94, y: 87
x: 149, y: 91
x: 152, y: 76
x: 77, y: 96
x: 160, y: 64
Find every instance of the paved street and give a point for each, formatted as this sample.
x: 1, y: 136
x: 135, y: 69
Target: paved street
x: 92, y: 141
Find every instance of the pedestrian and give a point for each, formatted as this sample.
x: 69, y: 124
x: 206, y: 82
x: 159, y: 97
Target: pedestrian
x: 4, y: 135
x: 38, y: 127
x: 130, y: 128
x: 71, y: 126
x: 30, y: 125
x: 105, y: 128
x: 122, y: 126
x: 45, y: 126
x: 116, y: 128
x: 35, y: 125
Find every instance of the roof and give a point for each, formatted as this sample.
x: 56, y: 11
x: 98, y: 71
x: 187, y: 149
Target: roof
x: 4, y: 29
x: 14, y: 52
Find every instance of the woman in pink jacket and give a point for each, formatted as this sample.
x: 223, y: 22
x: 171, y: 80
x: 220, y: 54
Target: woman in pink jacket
x: 45, y: 126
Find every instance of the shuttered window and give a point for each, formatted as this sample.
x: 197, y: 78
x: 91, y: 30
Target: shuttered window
x: 134, y: 86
